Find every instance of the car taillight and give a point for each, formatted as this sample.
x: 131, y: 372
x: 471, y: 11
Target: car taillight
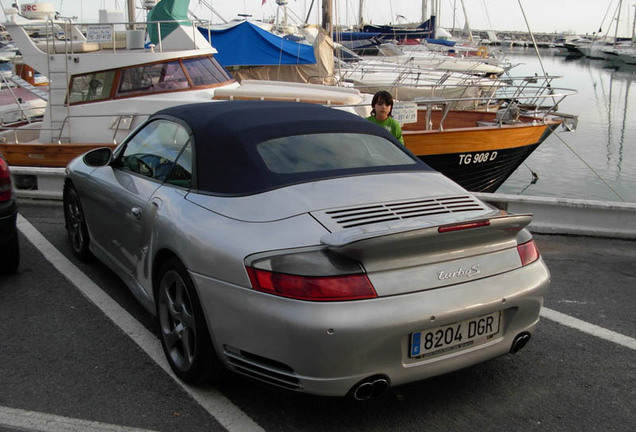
x: 528, y: 252
x: 329, y: 288
x: 5, y: 181
x: 315, y: 276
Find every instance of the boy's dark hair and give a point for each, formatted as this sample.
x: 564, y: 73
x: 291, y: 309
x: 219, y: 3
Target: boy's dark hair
x: 382, y: 96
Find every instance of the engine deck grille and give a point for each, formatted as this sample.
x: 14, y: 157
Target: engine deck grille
x: 365, y: 215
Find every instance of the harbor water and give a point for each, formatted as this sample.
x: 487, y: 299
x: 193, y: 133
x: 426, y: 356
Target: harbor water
x: 598, y: 160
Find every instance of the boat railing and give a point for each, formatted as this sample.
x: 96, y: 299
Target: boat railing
x: 27, y: 133
x: 508, y: 109
x: 20, y: 115
x: 119, y: 123
x: 62, y: 35
x: 23, y: 113
x: 529, y: 97
x: 19, y: 134
x: 525, y: 85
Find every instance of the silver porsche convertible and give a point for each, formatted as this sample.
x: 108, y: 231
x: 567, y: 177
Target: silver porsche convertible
x: 303, y: 246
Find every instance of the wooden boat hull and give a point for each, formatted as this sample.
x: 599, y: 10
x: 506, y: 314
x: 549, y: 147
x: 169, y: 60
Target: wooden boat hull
x: 478, y: 158
x: 45, y: 155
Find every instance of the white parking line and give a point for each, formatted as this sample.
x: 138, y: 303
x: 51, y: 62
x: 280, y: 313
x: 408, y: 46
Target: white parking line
x: 222, y: 409
x: 41, y: 422
x: 588, y: 328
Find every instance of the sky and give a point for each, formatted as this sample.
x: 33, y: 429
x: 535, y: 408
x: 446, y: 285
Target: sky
x: 543, y: 16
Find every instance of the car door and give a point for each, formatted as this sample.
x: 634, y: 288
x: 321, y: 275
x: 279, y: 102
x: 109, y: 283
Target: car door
x: 124, y: 205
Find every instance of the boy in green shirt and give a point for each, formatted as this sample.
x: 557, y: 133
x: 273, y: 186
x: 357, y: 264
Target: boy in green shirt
x: 382, y: 105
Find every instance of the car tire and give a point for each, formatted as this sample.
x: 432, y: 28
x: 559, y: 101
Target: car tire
x: 182, y: 327
x: 10, y: 257
x: 76, y: 224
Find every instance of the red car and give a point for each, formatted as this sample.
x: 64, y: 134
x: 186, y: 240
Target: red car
x: 9, y: 245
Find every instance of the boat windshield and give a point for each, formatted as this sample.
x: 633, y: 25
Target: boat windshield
x: 174, y: 75
x: 202, y: 71
x: 152, y: 78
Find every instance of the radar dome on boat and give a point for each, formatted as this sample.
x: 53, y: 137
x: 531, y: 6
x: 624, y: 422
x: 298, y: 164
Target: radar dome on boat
x: 37, y: 10
x: 149, y: 4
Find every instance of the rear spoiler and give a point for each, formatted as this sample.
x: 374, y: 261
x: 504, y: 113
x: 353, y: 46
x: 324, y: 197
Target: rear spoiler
x: 379, y: 238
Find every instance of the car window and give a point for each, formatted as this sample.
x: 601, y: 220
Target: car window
x: 329, y: 151
x: 181, y: 174
x: 153, y: 151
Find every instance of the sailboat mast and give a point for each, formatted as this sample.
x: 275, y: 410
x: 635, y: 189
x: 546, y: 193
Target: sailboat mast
x: 467, y: 25
x: 634, y: 28
x: 435, y: 8
x: 618, y: 17
x: 424, y: 10
x: 131, y: 11
x: 326, y: 16
x: 361, y: 15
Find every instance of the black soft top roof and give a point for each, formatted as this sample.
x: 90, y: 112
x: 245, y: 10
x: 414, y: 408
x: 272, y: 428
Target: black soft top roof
x: 226, y: 134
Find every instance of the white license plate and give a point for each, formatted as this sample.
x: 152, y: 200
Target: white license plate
x: 439, y: 340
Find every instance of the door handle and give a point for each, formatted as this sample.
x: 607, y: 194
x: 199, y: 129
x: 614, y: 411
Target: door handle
x: 135, y: 212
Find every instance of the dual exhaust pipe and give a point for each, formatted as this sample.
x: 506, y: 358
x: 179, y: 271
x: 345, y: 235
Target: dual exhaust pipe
x: 376, y: 386
x: 370, y: 388
x: 519, y: 342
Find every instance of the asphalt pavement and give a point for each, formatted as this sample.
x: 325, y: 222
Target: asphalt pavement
x: 66, y: 364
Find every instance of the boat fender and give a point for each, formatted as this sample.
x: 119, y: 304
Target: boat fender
x: 482, y: 51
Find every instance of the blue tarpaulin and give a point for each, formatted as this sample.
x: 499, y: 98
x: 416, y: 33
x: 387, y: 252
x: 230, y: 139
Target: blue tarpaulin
x: 246, y: 44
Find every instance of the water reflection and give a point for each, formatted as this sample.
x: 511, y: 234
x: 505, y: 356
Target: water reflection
x: 622, y: 76
x: 596, y: 161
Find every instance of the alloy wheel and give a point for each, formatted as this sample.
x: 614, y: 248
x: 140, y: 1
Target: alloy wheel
x: 177, y: 321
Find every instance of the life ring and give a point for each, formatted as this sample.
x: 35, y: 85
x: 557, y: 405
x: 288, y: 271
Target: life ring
x: 482, y: 51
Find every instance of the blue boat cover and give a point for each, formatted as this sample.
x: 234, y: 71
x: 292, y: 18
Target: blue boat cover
x: 424, y: 30
x: 246, y: 44
x: 441, y: 42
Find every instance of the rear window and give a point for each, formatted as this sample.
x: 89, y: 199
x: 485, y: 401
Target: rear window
x: 315, y: 153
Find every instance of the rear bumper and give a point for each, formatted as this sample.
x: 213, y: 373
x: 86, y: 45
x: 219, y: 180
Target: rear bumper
x: 326, y: 348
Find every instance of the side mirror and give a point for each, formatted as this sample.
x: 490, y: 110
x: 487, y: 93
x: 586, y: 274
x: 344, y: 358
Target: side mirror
x: 98, y: 157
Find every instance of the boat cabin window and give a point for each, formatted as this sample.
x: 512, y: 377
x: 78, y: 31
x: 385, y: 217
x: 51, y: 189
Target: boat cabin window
x: 205, y: 71
x: 162, y: 77
x: 157, y: 77
x: 91, y: 87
